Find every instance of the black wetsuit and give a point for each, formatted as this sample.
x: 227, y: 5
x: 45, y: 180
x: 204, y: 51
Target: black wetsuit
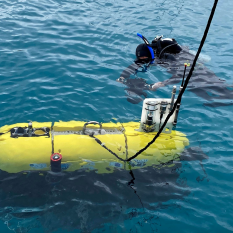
x: 136, y: 87
x: 203, y: 82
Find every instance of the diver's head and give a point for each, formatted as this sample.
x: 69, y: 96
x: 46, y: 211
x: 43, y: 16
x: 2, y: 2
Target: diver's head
x: 143, y: 53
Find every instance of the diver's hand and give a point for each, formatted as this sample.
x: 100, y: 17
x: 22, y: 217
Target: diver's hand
x: 121, y: 80
x: 156, y: 86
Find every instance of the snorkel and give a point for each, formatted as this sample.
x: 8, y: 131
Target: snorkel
x: 149, y: 47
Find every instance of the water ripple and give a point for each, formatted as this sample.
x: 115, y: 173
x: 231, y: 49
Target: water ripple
x: 60, y: 60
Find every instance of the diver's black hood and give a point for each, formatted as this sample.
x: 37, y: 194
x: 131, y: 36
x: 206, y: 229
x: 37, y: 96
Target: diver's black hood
x: 143, y: 51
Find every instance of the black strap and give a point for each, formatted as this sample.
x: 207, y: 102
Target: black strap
x: 159, y: 47
x: 100, y: 143
x: 165, y: 49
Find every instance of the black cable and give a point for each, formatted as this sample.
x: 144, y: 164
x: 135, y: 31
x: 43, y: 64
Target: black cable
x: 126, y: 143
x: 99, y: 142
x: 4, y: 133
x: 178, y: 101
x: 52, y: 140
x: 183, y: 76
x: 169, y: 162
x: 185, y: 84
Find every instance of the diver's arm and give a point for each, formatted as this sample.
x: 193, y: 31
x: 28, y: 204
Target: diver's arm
x: 130, y: 70
x: 170, y: 81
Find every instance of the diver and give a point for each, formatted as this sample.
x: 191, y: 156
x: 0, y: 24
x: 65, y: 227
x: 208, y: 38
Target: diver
x: 146, y: 54
x: 168, y: 54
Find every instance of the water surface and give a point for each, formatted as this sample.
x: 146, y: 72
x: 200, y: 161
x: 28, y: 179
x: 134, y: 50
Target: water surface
x: 60, y: 61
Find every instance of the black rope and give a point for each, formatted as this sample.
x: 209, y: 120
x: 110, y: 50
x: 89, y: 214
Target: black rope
x: 126, y: 143
x: 185, y: 84
x: 5, y: 133
x: 52, y: 140
x: 183, y: 76
x: 161, y: 164
x: 178, y: 101
x: 102, y: 144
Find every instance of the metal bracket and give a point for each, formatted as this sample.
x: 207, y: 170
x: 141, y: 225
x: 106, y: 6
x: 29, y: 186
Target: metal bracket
x: 92, y: 122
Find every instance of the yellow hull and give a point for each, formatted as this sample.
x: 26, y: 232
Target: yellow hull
x: 83, y: 152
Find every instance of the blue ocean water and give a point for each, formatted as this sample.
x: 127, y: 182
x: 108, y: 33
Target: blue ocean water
x: 60, y: 60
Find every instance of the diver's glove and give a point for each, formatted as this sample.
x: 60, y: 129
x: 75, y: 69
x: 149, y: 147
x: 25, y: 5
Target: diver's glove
x: 121, y: 80
x: 155, y: 86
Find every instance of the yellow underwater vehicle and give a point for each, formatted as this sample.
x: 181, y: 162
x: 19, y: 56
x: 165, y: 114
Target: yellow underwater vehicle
x: 70, y: 146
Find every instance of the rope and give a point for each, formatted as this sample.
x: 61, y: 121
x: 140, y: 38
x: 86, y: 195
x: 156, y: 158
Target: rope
x: 178, y: 101
x: 126, y: 144
x: 185, y: 84
x: 161, y: 164
x: 106, y: 148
